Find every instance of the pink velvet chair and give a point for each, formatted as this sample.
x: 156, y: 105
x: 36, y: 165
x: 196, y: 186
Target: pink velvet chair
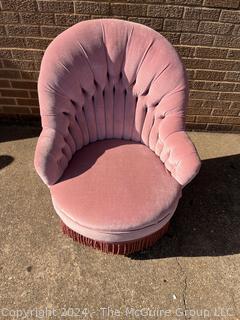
x: 113, y: 150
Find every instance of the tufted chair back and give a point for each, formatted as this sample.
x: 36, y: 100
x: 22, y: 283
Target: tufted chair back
x: 110, y: 78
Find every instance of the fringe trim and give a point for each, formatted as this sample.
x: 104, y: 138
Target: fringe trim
x: 121, y: 248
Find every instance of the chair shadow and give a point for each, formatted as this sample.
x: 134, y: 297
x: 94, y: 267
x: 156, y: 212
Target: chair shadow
x: 207, y: 220
x: 11, y: 131
x: 16, y: 125
x: 86, y: 157
x: 5, y: 160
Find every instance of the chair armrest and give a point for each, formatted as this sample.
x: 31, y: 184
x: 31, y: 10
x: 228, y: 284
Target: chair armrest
x: 180, y: 157
x: 52, y: 155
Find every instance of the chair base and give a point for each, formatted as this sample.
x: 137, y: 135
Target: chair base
x: 121, y: 248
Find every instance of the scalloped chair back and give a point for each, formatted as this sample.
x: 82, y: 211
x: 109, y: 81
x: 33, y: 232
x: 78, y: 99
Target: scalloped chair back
x: 113, y: 79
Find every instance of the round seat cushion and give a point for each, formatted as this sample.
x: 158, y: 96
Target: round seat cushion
x: 115, y: 190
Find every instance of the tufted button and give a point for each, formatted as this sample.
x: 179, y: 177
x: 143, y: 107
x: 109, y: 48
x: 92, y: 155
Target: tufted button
x: 146, y: 92
x: 162, y: 116
x: 73, y: 103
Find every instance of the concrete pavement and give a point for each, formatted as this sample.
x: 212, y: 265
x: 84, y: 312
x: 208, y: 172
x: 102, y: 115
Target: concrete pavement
x: 191, y: 273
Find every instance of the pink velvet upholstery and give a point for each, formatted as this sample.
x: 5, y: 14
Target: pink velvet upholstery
x: 106, y: 190
x: 113, y: 79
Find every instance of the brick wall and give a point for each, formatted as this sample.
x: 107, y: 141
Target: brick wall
x: 206, y: 33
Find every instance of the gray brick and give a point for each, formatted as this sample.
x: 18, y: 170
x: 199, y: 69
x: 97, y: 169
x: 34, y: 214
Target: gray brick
x: 235, y: 128
x: 69, y: 19
x: 213, y: 86
x: 185, y: 2
x: 190, y: 73
x: 14, y: 93
x: 12, y: 42
x: 206, y: 52
x: 227, y: 41
x: 232, y: 76
x: 230, y: 96
x: 196, y: 63
x: 2, y: 31
x: 19, y: 5
x: 87, y: 7
x: 208, y: 119
x: 39, y: 18
x: 235, y: 104
x: 52, y: 32
x: 203, y: 95
x: 196, y: 126
x: 121, y: 9
x: 195, y: 103
x: 236, y: 30
x: 28, y: 102
x: 27, y: 54
x: 7, y: 101
x: 199, y: 111
x: 219, y: 127
x: 230, y: 16
x: 30, y: 75
x: 173, y: 37
x: 234, y: 54
x: 16, y: 110
x: 210, y: 75
x: 9, y: 17
x: 185, y: 51
x: 18, y: 30
x: 5, y: 54
x: 165, y: 11
x: 225, y: 65
x: 56, y: 6
x: 180, y: 25
x: 215, y: 27
x: 201, y: 14
x: 231, y: 120
x: 153, y: 23
x: 216, y: 104
x: 4, y: 83
x: 221, y: 3
x: 37, y: 43
x: 196, y: 39
x: 19, y: 64
x: 225, y: 112
x: 24, y: 84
